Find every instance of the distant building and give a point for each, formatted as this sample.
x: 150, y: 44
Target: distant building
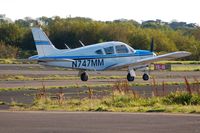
x: 178, y: 25
x: 2, y: 16
x: 173, y: 25
x: 157, y: 21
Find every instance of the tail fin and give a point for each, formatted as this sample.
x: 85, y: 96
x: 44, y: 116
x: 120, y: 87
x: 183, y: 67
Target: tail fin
x: 43, y: 44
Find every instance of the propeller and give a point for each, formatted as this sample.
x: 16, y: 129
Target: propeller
x: 151, y: 50
x: 152, y: 45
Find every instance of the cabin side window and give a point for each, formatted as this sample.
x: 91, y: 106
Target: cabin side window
x: 99, y: 51
x: 109, y: 50
x: 121, y: 49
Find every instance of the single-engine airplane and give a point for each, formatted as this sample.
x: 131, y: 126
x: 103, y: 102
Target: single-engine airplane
x: 98, y: 57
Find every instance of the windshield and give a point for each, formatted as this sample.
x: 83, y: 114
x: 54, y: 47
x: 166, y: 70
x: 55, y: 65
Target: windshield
x: 121, y: 49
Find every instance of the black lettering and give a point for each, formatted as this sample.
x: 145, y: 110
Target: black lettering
x: 74, y: 64
x: 84, y: 63
x: 100, y: 62
x: 88, y: 62
x: 79, y: 63
x: 94, y: 63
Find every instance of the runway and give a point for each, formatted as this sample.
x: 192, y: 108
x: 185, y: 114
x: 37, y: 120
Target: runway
x: 37, y: 71
x: 89, y: 122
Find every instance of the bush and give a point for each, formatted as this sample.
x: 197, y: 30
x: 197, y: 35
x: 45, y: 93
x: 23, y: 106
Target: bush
x: 129, y: 100
x: 26, y: 53
x: 122, y: 101
x: 182, y: 98
x: 195, y: 99
x: 7, y: 51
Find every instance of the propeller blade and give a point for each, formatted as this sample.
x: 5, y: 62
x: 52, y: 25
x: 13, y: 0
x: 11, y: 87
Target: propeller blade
x: 152, y: 45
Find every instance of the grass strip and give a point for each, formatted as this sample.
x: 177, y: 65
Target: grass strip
x: 178, y: 102
x: 91, y: 86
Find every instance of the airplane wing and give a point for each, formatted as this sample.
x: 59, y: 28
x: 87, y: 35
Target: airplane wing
x: 146, y: 61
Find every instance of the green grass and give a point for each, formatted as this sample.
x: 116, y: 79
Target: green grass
x: 80, y: 86
x: 16, y: 61
x: 178, y: 62
x: 187, y: 67
x: 54, y: 77
x: 119, y: 102
x: 86, y: 86
x: 182, y: 98
x: 120, y: 99
x: 182, y: 67
x: 16, y: 104
x: 2, y: 103
x: 55, y: 87
x: 9, y: 61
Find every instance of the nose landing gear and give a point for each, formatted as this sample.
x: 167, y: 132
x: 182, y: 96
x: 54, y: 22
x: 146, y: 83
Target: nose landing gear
x: 131, y: 74
x: 83, y: 76
x: 130, y: 78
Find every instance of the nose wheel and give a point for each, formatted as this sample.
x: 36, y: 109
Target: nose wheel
x: 145, y: 77
x: 130, y: 78
x: 84, y: 76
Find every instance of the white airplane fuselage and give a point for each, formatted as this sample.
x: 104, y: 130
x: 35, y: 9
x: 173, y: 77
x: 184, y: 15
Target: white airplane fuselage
x: 85, y: 58
x: 98, y: 57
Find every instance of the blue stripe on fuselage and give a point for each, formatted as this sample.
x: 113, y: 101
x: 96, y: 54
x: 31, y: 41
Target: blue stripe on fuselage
x: 137, y: 53
x: 42, y: 43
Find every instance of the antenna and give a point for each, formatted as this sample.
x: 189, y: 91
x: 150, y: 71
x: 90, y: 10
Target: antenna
x: 82, y: 43
x: 66, y: 46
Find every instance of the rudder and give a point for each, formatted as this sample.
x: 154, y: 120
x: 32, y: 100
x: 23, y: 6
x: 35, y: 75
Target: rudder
x: 43, y: 44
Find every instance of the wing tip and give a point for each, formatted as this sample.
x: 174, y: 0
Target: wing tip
x: 185, y: 53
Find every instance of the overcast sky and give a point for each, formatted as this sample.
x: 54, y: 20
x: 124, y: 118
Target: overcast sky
x: 105, y: 10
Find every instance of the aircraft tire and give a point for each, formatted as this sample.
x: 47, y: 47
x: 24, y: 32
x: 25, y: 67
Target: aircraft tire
x: 129, y: 77
x: 145, y: 77
x: 84, y: 76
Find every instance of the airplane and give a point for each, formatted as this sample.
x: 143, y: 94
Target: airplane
x: 98, y: 57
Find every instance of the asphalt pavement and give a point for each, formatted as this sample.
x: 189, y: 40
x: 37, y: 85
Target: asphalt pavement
x: 99, y: 122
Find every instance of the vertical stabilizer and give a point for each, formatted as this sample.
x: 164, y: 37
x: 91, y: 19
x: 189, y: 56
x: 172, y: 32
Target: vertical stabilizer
x: 43, y: 44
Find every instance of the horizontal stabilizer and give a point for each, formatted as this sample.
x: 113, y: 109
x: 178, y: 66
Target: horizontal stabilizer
x: 48, y: 59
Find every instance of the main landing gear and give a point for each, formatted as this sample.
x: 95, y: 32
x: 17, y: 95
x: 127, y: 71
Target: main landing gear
x: 131, y: 76
x: 145, y: 77
x: 83, y: 76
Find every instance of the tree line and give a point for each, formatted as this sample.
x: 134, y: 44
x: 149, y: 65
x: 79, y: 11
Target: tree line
x: 16, y: 39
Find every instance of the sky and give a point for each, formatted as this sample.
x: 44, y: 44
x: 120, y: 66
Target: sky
x: 105, y: 10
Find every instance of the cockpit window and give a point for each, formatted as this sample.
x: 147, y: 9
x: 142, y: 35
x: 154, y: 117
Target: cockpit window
x: 131, y: 50
x: 121, y: 49
x: 109, y: 50
x: 99, y: 51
